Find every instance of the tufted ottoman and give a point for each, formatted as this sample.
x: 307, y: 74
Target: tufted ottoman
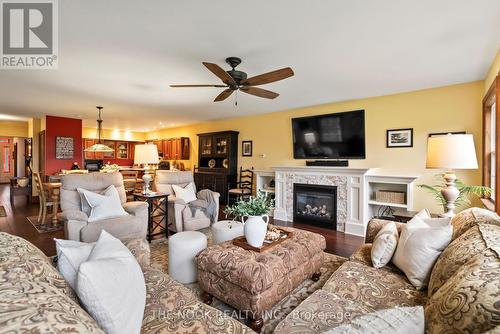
x: 253, y: 282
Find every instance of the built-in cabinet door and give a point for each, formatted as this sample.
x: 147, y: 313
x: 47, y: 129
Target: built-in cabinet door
x: 110, y: 144
x: 122, y: 150
x: 86, y: 144
x: 184, y: 148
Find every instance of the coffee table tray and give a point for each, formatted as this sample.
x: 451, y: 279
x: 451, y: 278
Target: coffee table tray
x: 242, y: 242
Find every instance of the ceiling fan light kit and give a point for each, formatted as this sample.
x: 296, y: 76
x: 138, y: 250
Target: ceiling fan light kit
x: 235, y: 80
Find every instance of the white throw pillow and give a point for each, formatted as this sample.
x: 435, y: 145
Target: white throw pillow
x: 70, y: 255
x: 384, y: 245
x: 105, y: 205
x: 390, y: 321
x: 421, y: 242
x: 187, y: 194
x: 111, y: 286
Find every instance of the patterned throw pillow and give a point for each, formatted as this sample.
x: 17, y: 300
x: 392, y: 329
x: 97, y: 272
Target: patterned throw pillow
x: 469, y: 301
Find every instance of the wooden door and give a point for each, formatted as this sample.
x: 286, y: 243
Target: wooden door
x: 6, y: 159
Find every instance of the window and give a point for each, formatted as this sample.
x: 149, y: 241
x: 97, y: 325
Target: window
x: 493, y: 150
x: 491, y: 159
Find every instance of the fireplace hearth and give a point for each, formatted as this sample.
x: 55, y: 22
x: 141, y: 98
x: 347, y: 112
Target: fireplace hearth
x: 315, y: 205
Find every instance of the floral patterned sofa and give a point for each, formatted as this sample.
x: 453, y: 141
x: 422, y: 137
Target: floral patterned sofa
x: 463, y: 295
x: 34, y: 297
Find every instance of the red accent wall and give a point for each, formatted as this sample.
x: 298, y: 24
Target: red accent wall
x: 62, y: 127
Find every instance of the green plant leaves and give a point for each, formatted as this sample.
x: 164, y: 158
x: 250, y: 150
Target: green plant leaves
x: 253, y: 206
x: 467, y: 193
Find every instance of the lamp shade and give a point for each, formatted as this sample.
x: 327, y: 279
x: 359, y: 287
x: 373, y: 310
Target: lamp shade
x: 451, y: 152
x: 146, y: 154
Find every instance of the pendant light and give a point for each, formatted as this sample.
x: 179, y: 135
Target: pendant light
x: 99, y: 147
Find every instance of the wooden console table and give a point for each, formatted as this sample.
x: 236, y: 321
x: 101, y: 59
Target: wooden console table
x: 15, y: 190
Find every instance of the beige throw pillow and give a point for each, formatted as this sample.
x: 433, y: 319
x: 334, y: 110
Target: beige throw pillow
x: 384, y: 245
x: 421, y: 242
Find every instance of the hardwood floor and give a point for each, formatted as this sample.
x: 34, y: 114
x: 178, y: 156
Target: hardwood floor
x: 16, y: 223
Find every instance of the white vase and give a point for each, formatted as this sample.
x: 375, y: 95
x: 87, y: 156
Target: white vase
x: 255, y: 229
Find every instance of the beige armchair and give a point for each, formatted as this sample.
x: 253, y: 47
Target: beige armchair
x: 76, y: 224
x: 184, y: 216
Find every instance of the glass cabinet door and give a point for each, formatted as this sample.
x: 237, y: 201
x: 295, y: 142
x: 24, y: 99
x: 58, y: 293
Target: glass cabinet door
x: 221, y: 145
x: 122, y: 150
x: 206, y: 145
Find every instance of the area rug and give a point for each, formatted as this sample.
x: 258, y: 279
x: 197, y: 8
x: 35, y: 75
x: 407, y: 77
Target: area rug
x: 3, y: 213
x: 159, y: 260
x: 47, y: 226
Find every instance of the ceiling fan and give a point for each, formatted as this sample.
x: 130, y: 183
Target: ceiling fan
x: 235, y: 80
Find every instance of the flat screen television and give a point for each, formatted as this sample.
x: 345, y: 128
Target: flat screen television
x: 331, y: 136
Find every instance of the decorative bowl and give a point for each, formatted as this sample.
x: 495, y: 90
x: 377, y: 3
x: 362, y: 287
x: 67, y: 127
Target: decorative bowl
x: 22, y: 182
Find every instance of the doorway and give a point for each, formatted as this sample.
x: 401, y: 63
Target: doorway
x: 7, y: 159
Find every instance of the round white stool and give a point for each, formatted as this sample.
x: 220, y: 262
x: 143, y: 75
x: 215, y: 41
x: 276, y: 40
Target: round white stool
x: 182, y: 248
x: 226, y: 230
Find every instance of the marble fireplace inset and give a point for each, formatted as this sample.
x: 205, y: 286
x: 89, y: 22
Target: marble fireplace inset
x: 315, y: 204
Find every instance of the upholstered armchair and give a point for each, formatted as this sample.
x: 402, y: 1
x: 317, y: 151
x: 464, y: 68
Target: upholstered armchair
x: 183, y: 216
x: 76, y: 225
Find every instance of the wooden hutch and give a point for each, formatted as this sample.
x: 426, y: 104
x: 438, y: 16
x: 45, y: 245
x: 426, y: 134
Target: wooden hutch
x: 217, y: 161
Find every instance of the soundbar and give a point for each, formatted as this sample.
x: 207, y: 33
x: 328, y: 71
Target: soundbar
x: 328, y: 163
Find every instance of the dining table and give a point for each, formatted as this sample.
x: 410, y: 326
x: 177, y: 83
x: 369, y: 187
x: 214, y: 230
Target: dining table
x: 54, y: 189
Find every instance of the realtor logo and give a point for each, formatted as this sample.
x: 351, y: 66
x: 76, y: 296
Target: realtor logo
x: 29, y: 34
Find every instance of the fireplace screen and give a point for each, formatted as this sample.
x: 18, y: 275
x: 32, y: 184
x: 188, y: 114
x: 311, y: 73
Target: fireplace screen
x: 315, y: 205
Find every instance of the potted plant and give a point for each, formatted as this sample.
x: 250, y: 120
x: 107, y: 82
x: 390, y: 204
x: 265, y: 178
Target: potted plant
x: 255, y: 208
x: 466, y: 193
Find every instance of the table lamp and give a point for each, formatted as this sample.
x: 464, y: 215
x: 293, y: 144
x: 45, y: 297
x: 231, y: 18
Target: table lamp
x: 451, y: 151
x: 144, y: 155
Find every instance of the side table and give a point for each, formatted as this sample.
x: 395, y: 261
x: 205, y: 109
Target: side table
x: 157, y: 212
x: 17, y: 190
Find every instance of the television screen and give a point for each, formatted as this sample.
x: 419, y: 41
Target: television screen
x: 331, y: 136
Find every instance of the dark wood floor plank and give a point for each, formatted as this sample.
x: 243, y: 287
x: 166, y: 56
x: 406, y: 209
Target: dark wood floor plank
x: 337, y: 243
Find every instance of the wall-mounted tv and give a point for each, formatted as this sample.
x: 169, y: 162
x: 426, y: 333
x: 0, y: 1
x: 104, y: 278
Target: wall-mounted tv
x: 331, y: 136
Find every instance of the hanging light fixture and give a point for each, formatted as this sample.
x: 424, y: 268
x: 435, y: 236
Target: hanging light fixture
x: 99, y: 147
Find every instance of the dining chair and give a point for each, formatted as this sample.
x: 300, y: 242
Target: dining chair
x: 243, y: 187
x: 44, y: 198
x: 130, y: 183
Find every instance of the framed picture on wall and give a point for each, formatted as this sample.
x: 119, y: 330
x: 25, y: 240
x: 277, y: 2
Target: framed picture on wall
x: 246, y: 148
x: 447, y: 133
x: 399, y: 138
x: 64, y: 148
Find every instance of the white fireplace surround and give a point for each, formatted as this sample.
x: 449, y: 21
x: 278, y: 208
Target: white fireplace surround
x: 353, y: 192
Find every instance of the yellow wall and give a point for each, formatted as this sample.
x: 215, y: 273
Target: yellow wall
x: 493, y: 72
x: 451, y: 108
x: 13, y: 129
x: 114, y: 134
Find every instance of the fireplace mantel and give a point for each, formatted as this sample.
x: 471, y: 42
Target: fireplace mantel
x: 354, y: 207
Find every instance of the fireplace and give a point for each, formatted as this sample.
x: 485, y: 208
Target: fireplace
x: 315, y: 205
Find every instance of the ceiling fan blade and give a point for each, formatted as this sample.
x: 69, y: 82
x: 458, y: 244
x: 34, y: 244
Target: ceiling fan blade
x: 218, y: 71
x: 268, y: 77
x: 176, y: 86
x: 224, y: 95
x: 259, y: 92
